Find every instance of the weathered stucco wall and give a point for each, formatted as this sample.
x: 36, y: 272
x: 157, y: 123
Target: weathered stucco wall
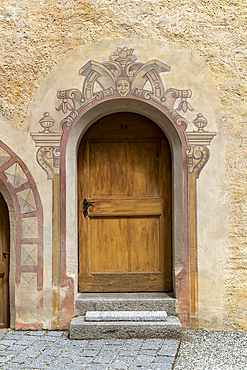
x: 35, y: 35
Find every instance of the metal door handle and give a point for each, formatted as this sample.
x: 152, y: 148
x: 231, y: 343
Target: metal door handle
x: 85, y: 207
x: 6, y: 254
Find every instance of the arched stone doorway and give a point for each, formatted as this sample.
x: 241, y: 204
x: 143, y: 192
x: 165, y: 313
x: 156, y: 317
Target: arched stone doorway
x: 71, y: 140
x: 124, y: 171
x: 4, y: 263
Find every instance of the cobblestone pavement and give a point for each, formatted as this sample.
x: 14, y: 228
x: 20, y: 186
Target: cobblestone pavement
x: 212, y: 350
x: 52, y: 350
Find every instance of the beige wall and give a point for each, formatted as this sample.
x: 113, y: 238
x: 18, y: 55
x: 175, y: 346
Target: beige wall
x: 43, y: 44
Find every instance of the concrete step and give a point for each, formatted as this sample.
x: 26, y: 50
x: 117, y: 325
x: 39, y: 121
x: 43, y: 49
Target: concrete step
x: 81, y: 329
x: 125, y: 302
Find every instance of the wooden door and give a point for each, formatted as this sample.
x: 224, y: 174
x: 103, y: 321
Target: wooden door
x: 4, y: 264
x: 124, y: 167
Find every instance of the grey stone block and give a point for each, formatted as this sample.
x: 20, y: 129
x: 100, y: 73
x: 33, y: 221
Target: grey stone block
x: 3, y: 332
x: 83, y: 360
x: 125, y: 302
x: 12, y: 366
x: 81, y: 329
x: 74, y: 366
x: 126, y: 316
x: 143, y: 360
x: 96, y: 367
x: 103, y: 359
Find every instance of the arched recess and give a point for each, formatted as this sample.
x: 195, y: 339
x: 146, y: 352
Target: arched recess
x: 7, y: 261
x: 26, y: 240
x: 71, y: 138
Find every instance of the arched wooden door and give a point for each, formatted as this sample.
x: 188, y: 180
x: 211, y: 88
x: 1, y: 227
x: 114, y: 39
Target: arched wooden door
x: 124, y: 168
x: 4, y: 264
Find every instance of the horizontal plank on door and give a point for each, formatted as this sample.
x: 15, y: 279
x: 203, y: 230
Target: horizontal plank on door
x: 128, y: 207
x: 125, y: 282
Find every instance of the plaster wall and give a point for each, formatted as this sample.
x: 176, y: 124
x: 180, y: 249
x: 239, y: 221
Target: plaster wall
x: 43, y: 45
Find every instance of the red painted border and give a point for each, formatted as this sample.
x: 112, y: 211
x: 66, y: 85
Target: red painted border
x: 19, y: 240
x: 182, y: 280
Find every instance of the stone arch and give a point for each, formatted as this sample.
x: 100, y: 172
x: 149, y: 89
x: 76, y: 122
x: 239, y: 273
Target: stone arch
x: 26, y: 234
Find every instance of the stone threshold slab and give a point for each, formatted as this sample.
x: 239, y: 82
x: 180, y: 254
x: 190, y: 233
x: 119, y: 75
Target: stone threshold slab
x: 157, y: 301
x: 81, y: 329
x: 126, y: 316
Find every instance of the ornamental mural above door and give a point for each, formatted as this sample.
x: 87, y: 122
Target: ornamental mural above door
x: 120, y: 77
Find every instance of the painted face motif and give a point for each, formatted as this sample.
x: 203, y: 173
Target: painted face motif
x: 123, y: 87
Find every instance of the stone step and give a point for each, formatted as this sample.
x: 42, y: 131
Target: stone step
x: 81, y: 329
x: 125, y: 302
x: 126, y: 316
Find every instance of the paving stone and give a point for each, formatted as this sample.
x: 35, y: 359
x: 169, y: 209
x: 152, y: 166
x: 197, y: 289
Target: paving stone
x: 52, y: 352
x: 82, y: 342
x: 48, y: 338
x: 55, y: 367
x: 96, y: 367
x: 62, y: 360
x: 95, y: 346
x: 7, y: 342
x: 37, y: 333
x: 26, y: 343
x: 120, y: 366
x: 3, y: 347
x: 128, y: 353
x: 110, y: 347
x: 167, y: 352
x: 55, y: 333
x: 4, y: 359
x: 13, y: 336
x: 89, y: 352
x: 164, y: 366
x: 29, y: 337
x: 8, y: 352
x: 117, y: 341
x: 134, y: 341
x: 17, y: 347
x: 152, y: 343
x: 12, y: 367
x: 143, y: 360
x: 97, y: 341
x: 37, y: 364
x: 83, y: 360
x: 44, y: 358
x: 103, y: 359
x: 149, y: 352
x: 22, y: 359
x: 104, y: 352
x: 75, y: 367
x: 39, y: 346
x: 163, y: 359
x: 69, y: 354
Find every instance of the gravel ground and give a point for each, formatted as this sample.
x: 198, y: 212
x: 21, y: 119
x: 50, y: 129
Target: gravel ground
x: 212, y: 350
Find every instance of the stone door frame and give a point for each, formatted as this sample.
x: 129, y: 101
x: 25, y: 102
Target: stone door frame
x: 178, y: 143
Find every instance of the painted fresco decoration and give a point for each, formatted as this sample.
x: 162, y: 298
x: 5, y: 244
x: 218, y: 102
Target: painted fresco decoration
x: 120, y: 77
x: 28, y: 234
x: 125, y: 76
x: 122, y: 74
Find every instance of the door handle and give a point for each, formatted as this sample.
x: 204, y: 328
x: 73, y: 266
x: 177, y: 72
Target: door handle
x: 6, y: 254
x: 85, y: 207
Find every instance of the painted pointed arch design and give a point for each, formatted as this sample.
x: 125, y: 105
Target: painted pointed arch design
x: 29, y: 228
